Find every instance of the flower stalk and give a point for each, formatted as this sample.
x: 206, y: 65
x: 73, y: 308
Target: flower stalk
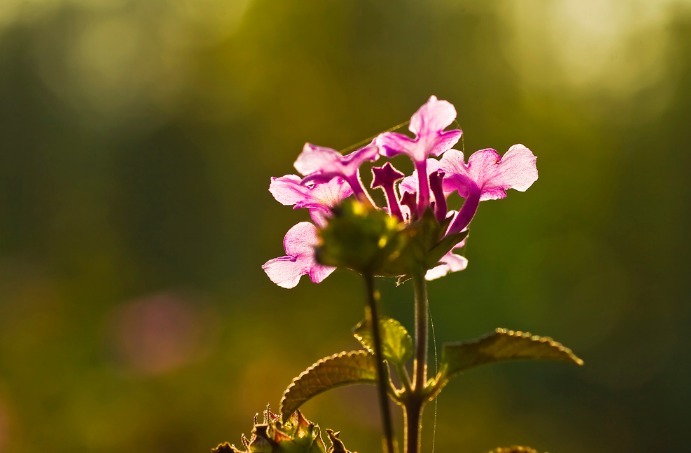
x: 415, y: 402
x: 372, y: 317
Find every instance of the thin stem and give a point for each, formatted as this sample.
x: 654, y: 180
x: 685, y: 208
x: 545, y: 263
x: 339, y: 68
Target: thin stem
x: 421, y: 333
x: 412, y: 416
x: 415, y: 403
x: 372, y: 317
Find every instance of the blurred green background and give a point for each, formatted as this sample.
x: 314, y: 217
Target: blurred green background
x: 137, y: 139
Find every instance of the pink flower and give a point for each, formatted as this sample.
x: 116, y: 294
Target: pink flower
x: 428, y: 125
x: 486, y: 176
x: 328, y: 178
x: 299, y: 243
x: 319, y: 164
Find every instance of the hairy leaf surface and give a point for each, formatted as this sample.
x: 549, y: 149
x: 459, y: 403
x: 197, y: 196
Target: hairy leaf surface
x: 340, y: 369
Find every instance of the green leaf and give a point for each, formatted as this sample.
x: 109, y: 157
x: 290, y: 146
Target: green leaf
x: 500, y: 345
x: 337, y: 370
x: 397, y: 345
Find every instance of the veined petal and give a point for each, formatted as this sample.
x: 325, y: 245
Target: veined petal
x: 288, y: 190
x: 299, y: 244
x: 489, y: 172
x: 457, y: 176
x: 495, y: 174
x: 284, y: 271
x: 319, y: 198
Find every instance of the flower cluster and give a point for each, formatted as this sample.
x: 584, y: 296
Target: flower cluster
x: 415, y: 205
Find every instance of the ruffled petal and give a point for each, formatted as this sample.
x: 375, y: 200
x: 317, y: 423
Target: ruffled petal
x: 489, y: 172
x: 495, y: 174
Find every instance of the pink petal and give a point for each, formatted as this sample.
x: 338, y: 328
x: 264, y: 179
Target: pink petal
x: 432, y: 117
x: 319, y: 198
x: 330, y: 163
x: 316, y: 158
x: 457, y: 177
x: 299, y: 244
x: 489, y: 172
x: 331, y: 193
x: 495, y: 174
x: 358, y: 157
x: 428, y: 125
x: 288, y: 190
x: 393, y: 144
x: 284, y: 271
x: 449, y: 263
x: 318, y: 273
x: 410, y: 183
x: 443, y: 141
x: 300, y: 240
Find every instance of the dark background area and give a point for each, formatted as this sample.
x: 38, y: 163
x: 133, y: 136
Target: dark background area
x: 137, y: 140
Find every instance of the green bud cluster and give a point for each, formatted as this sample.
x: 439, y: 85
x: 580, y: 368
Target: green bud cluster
x: 370, y: 241
x: 296, y: 435
x: 360, y: 237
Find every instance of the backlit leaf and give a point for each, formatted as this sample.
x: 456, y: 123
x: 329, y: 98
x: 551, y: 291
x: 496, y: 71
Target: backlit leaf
x: 500, y: 345
x: 397, y: 345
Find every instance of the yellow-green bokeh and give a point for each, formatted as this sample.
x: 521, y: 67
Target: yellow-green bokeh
x: 137, y: 139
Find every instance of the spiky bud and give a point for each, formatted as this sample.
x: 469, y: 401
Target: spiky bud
x: 296, y: 435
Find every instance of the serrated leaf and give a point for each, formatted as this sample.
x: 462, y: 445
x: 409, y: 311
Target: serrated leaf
x: 502, y: 345
x: 397, y: 345
x: 337, y: 370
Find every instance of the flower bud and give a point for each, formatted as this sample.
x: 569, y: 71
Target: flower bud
x: 359, y: 237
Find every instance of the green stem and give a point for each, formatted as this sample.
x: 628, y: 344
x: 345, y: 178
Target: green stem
x: 372, y: 316
x: 421, y: 323
x: 416, y: 401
